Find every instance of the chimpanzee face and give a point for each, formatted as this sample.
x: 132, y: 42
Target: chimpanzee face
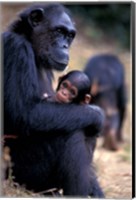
x: 66, y: 92
x: 51, y: 38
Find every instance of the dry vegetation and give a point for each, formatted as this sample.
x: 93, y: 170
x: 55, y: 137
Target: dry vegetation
x: 113, y: 168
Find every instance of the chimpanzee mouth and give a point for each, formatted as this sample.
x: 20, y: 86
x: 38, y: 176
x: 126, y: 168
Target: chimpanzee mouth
x: 59, y: 64
x: 61, y: 61
x: 62, y: 99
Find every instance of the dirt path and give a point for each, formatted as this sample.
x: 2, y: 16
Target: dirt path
x: 114, y: 172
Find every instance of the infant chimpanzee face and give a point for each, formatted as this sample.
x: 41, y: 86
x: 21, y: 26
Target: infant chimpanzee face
x: 67, y: 92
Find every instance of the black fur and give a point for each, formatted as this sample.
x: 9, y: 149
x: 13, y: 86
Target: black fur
x: 48, y: 151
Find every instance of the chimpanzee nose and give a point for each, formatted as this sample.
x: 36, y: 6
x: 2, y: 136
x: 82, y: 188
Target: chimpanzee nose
x: 65, y: 46
x: 65, y: 93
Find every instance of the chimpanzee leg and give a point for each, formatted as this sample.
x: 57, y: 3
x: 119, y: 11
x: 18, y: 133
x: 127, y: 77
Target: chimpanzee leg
x: 33, y: 162
x: 75, y: 166
x: 119, y: 136
x: 110, y: 141
x: 90, y: 145
x: 95, y: 189
x: 110, y: 132
x: 79, y: 178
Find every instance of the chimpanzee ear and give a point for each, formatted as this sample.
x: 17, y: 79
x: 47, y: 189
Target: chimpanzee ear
x: 36, y: 16
x: 87, y: 99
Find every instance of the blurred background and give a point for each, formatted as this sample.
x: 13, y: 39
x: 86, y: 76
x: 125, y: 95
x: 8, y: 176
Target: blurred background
x: 101, y: 28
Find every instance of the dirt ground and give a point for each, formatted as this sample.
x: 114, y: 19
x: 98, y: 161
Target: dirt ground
x: 114, y: 169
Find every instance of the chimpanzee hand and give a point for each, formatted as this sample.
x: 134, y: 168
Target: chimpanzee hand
x: 98, y: 121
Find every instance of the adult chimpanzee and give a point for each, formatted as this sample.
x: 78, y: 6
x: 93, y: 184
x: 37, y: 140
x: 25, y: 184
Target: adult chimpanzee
x: 49, y: 149
x: 106, y: 74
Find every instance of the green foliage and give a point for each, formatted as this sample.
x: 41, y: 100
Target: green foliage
x: 112, y: 19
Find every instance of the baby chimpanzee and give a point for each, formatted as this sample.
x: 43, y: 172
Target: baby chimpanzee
x: 74, y: 87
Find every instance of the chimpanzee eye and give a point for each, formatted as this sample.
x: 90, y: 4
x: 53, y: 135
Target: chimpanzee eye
x: 59, y: 30
x: 71, y: 35
x: 64, y: 84
x: 73, y: 92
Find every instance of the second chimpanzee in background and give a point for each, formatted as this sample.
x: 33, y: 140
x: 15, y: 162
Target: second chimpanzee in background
x: 106, y: 74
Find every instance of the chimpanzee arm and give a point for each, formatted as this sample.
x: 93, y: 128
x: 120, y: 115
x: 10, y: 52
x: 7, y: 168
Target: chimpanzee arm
x: 22, y: 99
x: 64, y: 117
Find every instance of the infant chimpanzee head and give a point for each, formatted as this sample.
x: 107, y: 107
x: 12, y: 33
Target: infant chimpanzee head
x: 74, y: 87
